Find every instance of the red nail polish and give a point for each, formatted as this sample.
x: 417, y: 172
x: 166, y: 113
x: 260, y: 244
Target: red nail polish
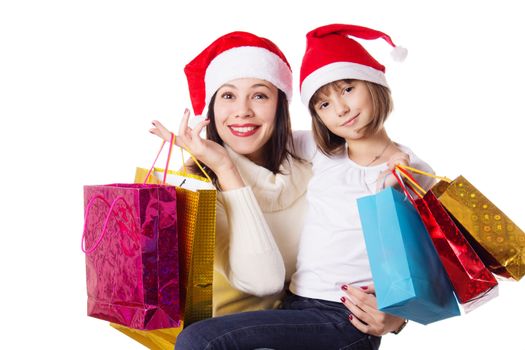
x: 364, y: 288
x: 344, y: 287
x: 350, y: 317
x: 343, y: 299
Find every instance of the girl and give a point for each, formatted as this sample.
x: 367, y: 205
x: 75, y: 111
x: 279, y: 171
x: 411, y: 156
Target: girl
x: 349, y: 100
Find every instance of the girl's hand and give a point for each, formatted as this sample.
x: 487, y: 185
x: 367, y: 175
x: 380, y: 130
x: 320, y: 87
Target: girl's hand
x: 365, y: 316
x: 398, y: 158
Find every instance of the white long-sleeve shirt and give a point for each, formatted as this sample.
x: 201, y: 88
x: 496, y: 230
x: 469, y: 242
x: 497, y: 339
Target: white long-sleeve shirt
x: 258, y: 229
x: 332, y: 250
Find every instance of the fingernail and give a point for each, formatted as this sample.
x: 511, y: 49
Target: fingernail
x: 344, y: 287
x: 364, y: 287
x: 343, y: 299
x: 350, y: 317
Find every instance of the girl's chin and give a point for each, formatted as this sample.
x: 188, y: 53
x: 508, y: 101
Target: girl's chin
x: 351, y: 136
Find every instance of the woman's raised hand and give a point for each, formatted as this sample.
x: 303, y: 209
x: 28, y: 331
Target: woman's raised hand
x: 365, y: 316
x: 208, y: 152
x: 160, y: 130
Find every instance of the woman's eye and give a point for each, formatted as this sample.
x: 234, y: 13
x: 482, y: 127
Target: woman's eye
x: 348, y: 89
x: 227, y: 95
x: 260, y: 96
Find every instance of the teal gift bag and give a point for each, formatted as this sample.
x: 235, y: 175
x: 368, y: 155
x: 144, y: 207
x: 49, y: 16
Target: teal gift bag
x: 409, y: 279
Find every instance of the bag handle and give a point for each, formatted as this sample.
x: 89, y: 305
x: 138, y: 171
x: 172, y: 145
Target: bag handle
x: 400, y: 173
x: 196, y: 162
x: 399, y: 179
x: 412, y: 183
x: 421, y: 172
x: 404, y: 171
x: 172, y: 142
x: 106, y: 220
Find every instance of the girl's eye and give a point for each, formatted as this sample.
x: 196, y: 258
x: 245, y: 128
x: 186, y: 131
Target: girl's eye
x: 227, y: 95
x: 322, y: 105
x: 348, y: 89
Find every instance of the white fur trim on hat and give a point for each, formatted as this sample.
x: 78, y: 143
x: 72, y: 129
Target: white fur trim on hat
x: 248, y: 62
x: 337, y: 71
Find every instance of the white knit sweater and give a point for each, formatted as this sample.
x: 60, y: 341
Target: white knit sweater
x: 258, y: 229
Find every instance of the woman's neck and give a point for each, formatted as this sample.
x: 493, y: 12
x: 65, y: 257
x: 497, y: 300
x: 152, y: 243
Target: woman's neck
x: 370, y: 150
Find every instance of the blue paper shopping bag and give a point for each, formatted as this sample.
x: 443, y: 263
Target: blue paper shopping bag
x: 408, y: 276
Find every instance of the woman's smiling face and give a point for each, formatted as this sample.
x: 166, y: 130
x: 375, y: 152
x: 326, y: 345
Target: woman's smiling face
x: 245, y: 115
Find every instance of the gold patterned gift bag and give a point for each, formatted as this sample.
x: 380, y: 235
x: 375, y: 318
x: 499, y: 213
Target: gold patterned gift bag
x: 498, y: 241
x: 196, y: 217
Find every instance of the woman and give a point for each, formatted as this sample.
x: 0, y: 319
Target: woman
x: 246, y: 82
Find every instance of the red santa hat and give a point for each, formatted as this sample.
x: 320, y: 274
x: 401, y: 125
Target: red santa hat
x: 233, y: 56
x: 332, y: 55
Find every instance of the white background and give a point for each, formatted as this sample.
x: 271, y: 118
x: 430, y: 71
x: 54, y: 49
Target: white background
x: 80, y: 82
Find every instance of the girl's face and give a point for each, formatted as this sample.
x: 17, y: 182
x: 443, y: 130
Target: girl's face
x: 347, y: 109
x: 245, y: 115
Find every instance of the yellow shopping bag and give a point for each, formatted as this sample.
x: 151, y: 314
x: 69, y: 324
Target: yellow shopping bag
x: 196, y: 216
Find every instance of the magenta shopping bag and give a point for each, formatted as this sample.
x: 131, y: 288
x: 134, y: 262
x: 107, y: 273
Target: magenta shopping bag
x: 130, y: 241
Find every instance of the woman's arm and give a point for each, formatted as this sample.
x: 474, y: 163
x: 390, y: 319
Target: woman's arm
x: 246, y: 251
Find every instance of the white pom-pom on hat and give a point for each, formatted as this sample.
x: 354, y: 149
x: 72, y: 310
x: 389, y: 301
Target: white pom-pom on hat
x: 399, y: 53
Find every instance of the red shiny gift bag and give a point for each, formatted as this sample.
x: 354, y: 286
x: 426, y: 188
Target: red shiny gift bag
x: 473, y: 283
x: 132, y: 267
x: 131, y: 245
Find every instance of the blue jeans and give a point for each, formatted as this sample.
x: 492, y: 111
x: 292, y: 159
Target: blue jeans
x: 300, y: 323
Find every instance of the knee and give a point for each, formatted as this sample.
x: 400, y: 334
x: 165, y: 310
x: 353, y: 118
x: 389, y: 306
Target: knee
x: 191, y: 338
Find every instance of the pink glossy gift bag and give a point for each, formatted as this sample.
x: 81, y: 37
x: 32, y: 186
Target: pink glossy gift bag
x: 131, y: 245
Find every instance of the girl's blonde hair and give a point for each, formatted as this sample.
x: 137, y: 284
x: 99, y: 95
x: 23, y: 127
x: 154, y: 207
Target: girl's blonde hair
x: 331, y: 144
